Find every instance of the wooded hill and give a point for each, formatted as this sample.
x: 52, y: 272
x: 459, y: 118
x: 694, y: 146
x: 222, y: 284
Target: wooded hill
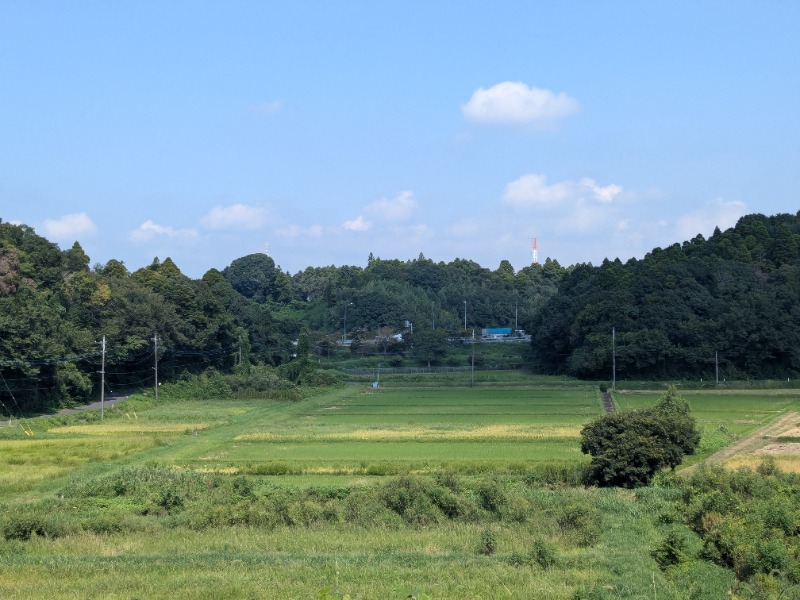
x: 737, y: 294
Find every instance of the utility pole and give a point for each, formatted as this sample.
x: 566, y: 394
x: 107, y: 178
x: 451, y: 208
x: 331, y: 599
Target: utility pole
x: 465, y: 315
x: 716, y: 365
x: 472, y: 370
x: 103, y: 382
x: 614, y: 359
x: 344, y: 330
x: 433, y: 315
x: 155, y: 352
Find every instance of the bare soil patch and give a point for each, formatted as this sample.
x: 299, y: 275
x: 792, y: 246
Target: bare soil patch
x: 760, y: 442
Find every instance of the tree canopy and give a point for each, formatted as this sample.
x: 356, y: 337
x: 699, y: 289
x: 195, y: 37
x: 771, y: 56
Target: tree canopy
x: 629, y: 448
x: 734, y: 297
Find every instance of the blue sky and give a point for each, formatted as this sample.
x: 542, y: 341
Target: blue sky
x: 321, y: 132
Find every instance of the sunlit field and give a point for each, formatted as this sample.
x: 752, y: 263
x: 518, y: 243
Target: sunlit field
x: 421, y: 488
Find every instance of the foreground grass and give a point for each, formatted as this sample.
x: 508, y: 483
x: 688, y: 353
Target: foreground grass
x: 601, y: 557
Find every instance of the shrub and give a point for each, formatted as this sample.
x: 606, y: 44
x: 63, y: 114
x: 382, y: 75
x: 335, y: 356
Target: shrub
x: 323, y: 378
x: 304, y: 513
x: 23, y: 526
x: 488, y: 543
x: 492, y: 496
x: 671, y: 550
x: 543, y: 554
x: 413, y: 499
x: 579, y: 521
x: 628, y: 449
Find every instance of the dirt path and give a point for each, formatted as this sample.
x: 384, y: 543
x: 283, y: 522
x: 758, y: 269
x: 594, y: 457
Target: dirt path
x: 608, y: 403
x: 756, y: 440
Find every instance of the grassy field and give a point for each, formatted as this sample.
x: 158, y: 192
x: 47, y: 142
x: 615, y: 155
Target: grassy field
x: 723, y: 416
x: 422, y: 488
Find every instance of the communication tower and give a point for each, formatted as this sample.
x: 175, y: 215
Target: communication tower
x: 534, y: 252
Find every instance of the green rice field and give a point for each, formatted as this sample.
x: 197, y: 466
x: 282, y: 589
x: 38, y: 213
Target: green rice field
x: 319, y: 498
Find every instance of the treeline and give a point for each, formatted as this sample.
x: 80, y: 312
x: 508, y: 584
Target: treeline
x: 732, y: 300
x: 55, y: 310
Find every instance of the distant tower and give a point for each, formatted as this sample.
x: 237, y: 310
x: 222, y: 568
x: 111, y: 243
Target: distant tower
x: 266, y: 248
x: 534, y: 252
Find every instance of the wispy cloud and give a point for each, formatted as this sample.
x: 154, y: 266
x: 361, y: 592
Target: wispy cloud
x: 718, y: 213
x: 399, y: 208
x: 235, y: 216
x: 514, y: 103
x: 148, y: 230
x: 69, y: 226
x: 387, y: 212
x: 358, y: 224
x: 533, y: 191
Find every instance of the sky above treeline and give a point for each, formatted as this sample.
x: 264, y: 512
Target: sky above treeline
x: 321, y: 132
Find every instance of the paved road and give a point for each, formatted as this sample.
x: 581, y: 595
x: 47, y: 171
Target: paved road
x: 109, y: 403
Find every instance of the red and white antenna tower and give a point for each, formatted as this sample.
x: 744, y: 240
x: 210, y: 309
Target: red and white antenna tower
x: 534, y: 252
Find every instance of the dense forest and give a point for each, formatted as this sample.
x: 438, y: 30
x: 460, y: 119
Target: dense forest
x: 734, y: 298
x: 731, y: 300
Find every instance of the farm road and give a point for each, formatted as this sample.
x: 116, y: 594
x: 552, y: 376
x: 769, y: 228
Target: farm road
x: 748, y: 444
x: 608, y: 403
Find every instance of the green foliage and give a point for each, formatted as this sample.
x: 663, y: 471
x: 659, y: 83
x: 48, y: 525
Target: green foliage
x: 672, y: 550
x: 747, y: 522
x: 323, y: 378
x: 628, y: 449
x: 543, y: 553
x: 580, y: 521
x: 488, y: 542
x: 735, y: 294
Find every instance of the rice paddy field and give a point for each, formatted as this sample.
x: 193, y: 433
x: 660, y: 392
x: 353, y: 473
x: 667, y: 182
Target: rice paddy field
x: 321, y: 498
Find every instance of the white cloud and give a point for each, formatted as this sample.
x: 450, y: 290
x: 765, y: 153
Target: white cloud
x: 603, y: 194
x: 149, y: 230
x: 69, y: 226
x: 623, y: 224
x: 514, y: 103
x: 399, y: 208
x: 357, y: 224
x: 387, y: 211
x: 533, y: 191
x: 236, y: 216
x: 718, y: 213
